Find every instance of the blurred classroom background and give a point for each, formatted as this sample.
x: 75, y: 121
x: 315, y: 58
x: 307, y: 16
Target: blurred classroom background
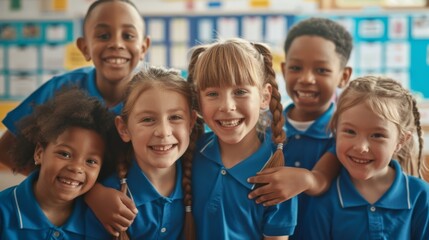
x: 391, y: 37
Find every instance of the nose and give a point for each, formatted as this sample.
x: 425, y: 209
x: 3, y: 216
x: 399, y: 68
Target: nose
x: 227, y: 104
x: 362, y: 145
x: 116, y: 42
x: 307, y: 78
x: 163, y: 129
x: 76, y: 166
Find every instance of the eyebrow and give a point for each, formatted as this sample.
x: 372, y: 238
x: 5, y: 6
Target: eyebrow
x: 103, y: 25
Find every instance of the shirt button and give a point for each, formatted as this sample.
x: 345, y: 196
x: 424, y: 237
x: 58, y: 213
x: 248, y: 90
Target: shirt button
x: 297, y: 136
x: 223, y: 172
x: 372, y: 209
x: 297, y: 164
x: 56, y: 234
x: 163, y: 230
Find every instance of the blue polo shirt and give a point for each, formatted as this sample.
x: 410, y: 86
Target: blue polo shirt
x: 303, y: 149
x: 401, y: 213
x: 22, y: 218
x: 83, y: 78
x: 159, y: 217
x: 221, y: 207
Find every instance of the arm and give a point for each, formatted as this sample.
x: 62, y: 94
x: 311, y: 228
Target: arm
x: 283, y: 183
x: 276, y: 238
x: 122, y: 210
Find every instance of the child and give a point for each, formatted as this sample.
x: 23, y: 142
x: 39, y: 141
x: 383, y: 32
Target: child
x: 235, y: 83
x: 156, y: 123
x: 372, y: 198
x: 115, y: 42
x: 64, y: 140
x: 317, y: 51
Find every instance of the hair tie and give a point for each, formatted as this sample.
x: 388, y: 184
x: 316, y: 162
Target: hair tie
x: 280, y: 146
x: 123, y: 180
x: 188, y: 209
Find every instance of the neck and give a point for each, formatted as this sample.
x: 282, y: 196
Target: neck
x: 232, y: 154
x: 162, y: 179
x: 112, y: 93
x: 57, y: 211
x: 374, y: 188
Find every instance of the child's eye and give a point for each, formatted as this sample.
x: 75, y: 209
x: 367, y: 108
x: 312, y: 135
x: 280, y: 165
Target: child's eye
x: 323, y: 70
x: 240, y: 91
x: 127, y: 36
x: 64, y: 154
x: 92, y: 162
x: 378, y: 135
x: 176, y: 117
x: 294, y: 68
x: 212, y: 94
x: 348, y: 131
x: 103, y: 36
x: 147, y: 120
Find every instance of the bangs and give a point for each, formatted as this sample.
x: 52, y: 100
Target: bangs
x: 226, y: 66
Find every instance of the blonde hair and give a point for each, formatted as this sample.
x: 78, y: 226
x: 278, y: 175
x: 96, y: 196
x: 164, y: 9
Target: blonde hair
x: 238, y: 62
x: 171, y: 80
x: 389, y: 100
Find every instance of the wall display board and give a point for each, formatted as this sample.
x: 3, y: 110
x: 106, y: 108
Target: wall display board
x: 29, y: 52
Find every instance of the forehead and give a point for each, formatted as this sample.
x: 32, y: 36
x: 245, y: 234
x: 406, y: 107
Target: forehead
x: 158, y: 99
x: 115, y: 12
x: 313, y: 48
x: 363, y: 117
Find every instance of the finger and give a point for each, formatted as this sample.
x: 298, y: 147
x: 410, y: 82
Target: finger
x: 260, y: 191
x: 272, y: 202
x: 121, y: 223
x: 268, y: 171
x: 258, y: 179
x: 111, y: 230
x: 267, y: 197
x: 129, y: 203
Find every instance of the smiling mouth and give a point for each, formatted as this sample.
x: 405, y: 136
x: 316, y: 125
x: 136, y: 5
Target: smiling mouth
x: 360, y: 160
x: 70, y: 182
x: 306, y: 95
x: 116, y: 60
x: 163, y: 148
x: 230, y: 123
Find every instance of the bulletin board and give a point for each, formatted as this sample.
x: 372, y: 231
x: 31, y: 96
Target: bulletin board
x: 31, y: 52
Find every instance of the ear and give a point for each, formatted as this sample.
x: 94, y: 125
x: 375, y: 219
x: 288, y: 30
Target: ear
x: 404, y: 138
x: 345, y: 77
x: 38, y: 153
x: 283, y: 68
x: 145, y: 47
x: 122, y: 129
x: 266, y: 96
x: 81, y: 44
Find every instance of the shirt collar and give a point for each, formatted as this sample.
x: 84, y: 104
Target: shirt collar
x: 30, y: 215
x: 317, y: 130
x: 142, y: 190
x: 396, y: 197
x: 246, y: 168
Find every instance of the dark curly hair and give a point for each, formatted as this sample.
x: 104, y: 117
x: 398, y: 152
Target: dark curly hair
x: 324, y: 28
x: 70, y: 107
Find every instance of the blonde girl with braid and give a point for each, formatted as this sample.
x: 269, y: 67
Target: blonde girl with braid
x: 235, y: 85
x: 156, y: 126
x: 374, y: 197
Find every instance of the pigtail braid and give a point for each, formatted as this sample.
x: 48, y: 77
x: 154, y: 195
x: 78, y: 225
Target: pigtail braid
x: 124, y: 164
x: 194, y: 57
x: 416, y: 114
x: 276, y: 108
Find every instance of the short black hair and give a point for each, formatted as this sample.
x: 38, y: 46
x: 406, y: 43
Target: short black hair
x: 324, y: 28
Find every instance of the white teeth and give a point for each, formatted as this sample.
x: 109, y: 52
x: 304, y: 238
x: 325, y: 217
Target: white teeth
x: 306, y: 94
x: 360, y: 161
x: 116, y: 60
x: 69, y: 182
x: 230, y: 123
x: 162, y: 148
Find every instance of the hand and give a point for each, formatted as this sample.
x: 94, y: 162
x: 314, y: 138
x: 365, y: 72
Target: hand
x: 122, y: 210
x: 281, y: 184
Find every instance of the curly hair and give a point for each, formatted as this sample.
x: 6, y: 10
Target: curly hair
x: 70, y: 107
